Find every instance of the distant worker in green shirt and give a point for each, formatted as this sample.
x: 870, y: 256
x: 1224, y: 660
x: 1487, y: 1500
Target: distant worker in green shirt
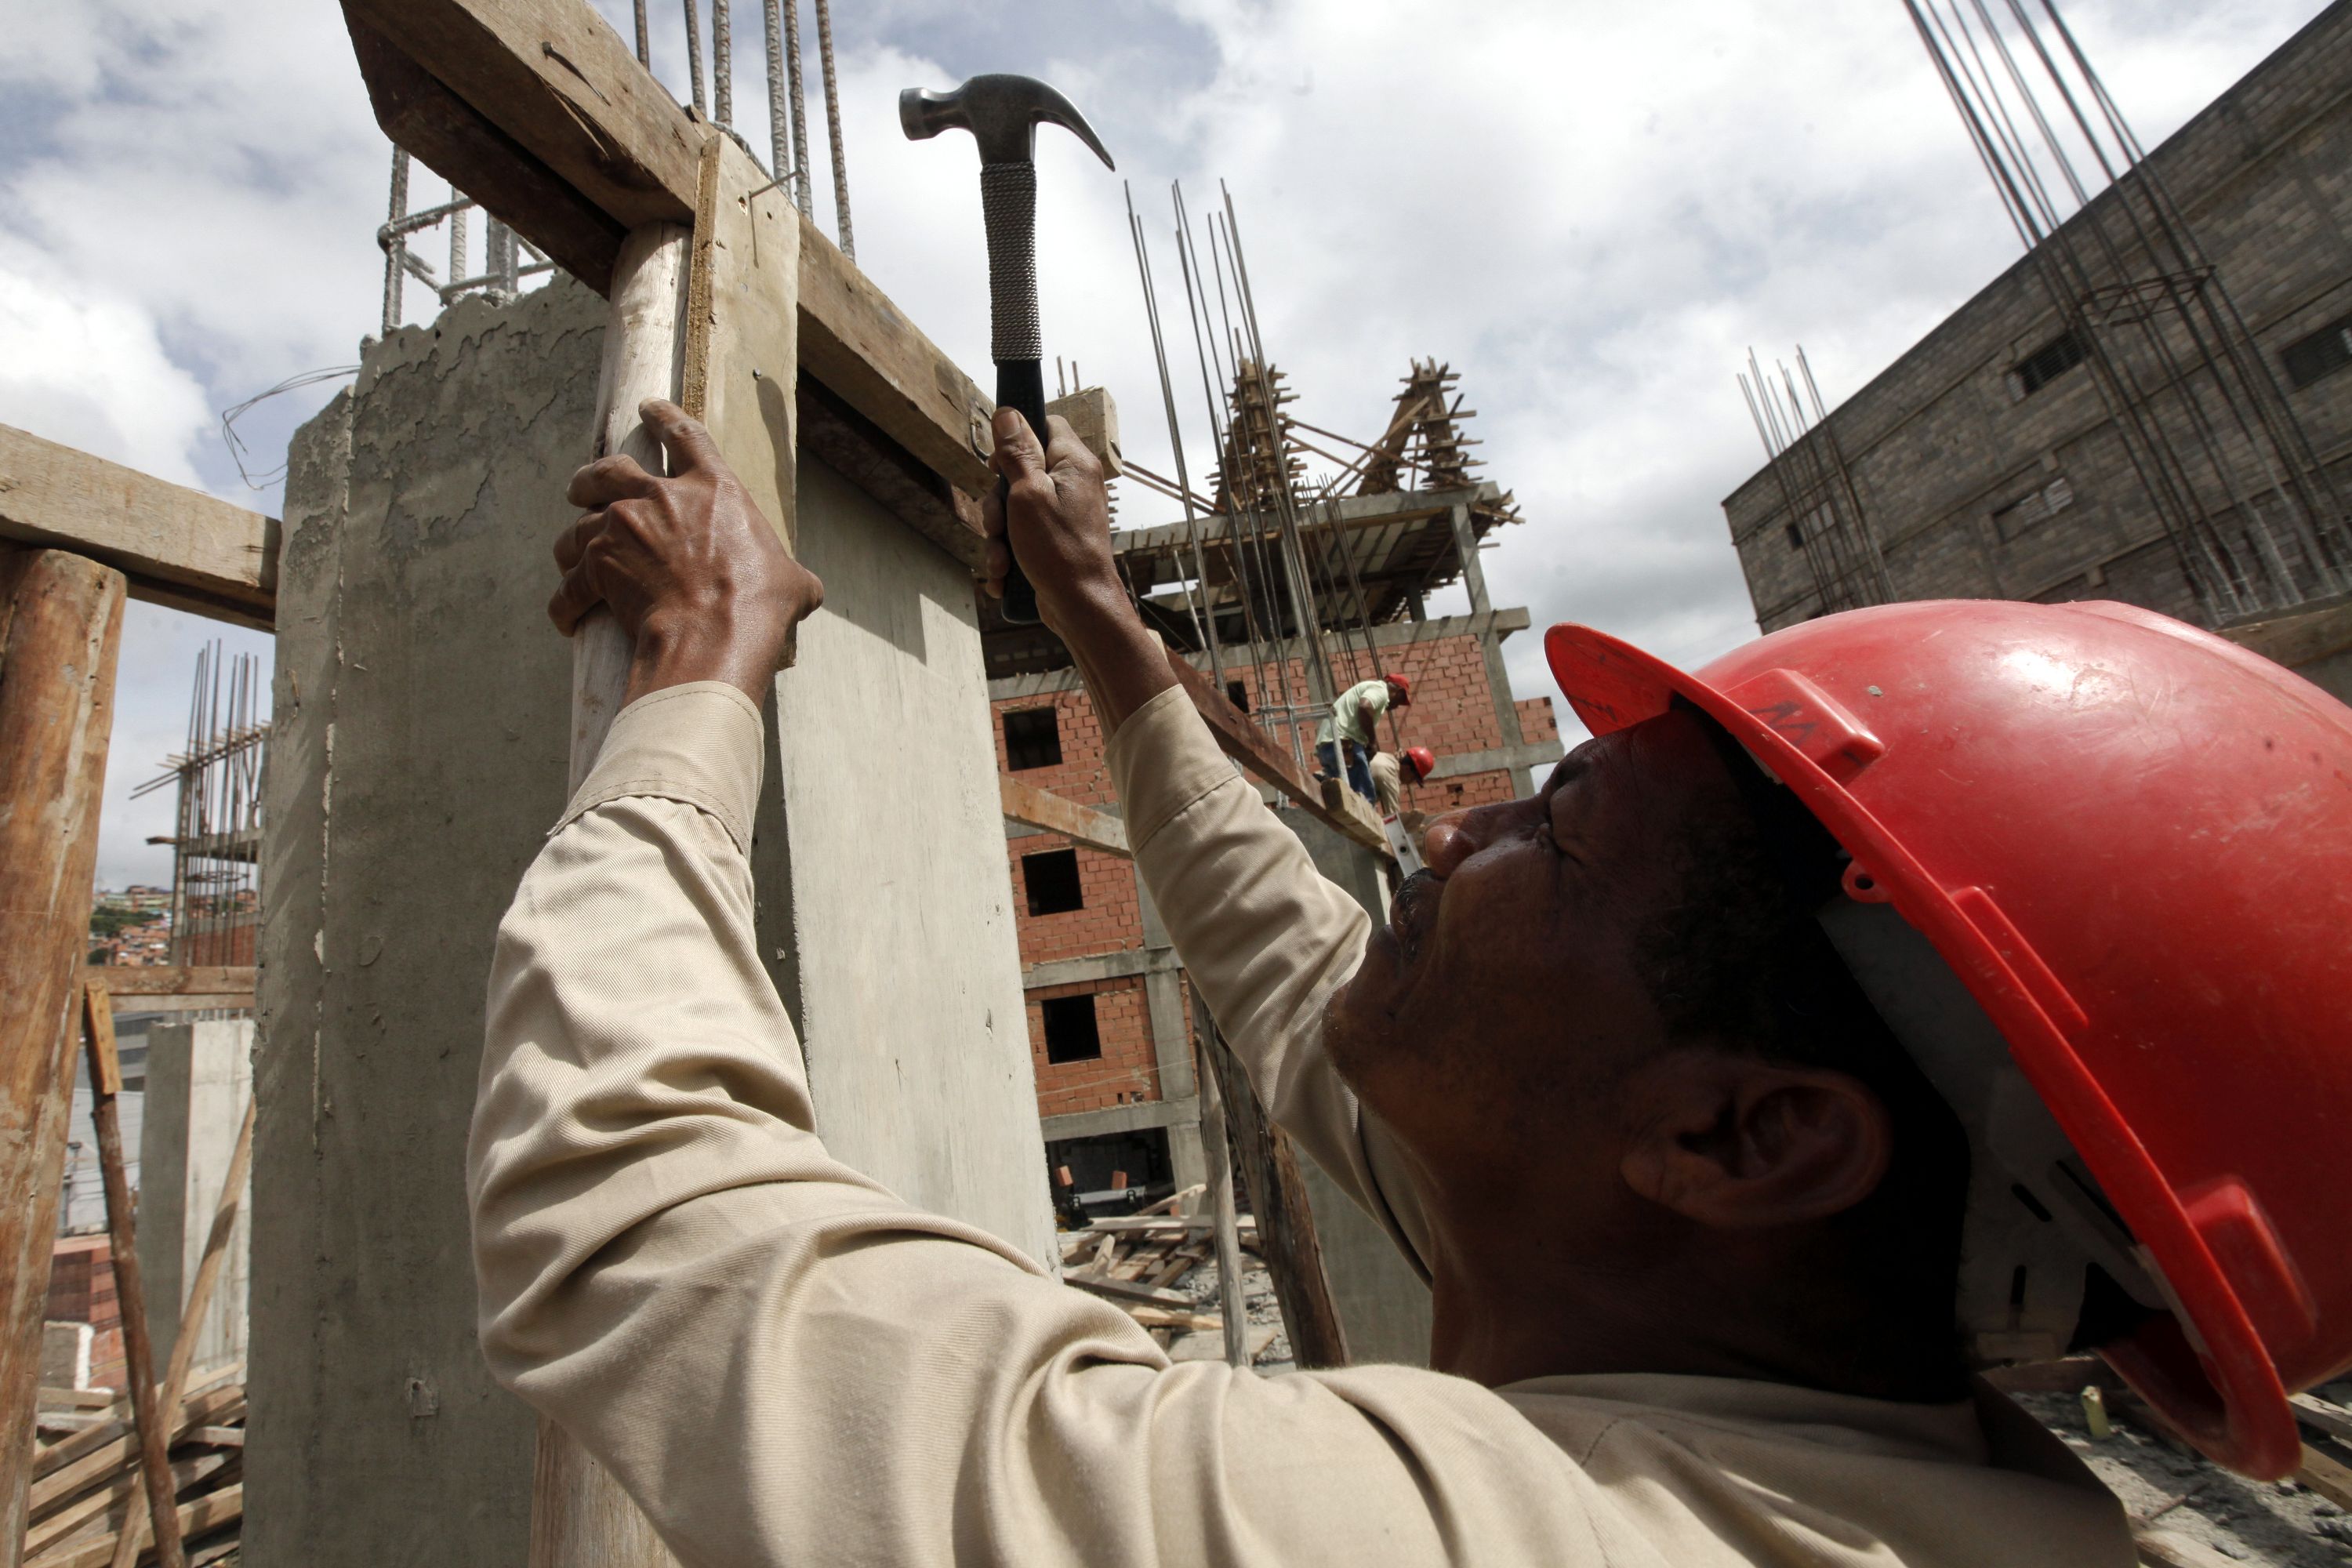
x: 1349, y: 732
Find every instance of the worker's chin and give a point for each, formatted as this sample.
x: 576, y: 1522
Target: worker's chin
x: 1361, y: 1028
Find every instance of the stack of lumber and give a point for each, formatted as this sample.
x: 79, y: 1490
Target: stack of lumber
x: 1138, y: 1260
x: 86, y: 1478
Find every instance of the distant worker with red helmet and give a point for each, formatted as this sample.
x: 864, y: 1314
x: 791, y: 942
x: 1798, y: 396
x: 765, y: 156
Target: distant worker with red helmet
x: 1346, y: 740
x: 1391, y: 770
x: 1914, y: 990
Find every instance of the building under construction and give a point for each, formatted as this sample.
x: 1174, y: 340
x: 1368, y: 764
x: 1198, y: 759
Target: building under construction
x: 2149, y: 406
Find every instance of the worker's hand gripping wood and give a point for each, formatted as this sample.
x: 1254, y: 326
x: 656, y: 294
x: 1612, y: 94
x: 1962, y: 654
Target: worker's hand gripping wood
x: 686, y: 564
x: 1691, y: 1213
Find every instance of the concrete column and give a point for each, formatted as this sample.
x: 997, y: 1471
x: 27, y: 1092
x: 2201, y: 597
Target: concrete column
x: 1507, y: 712
x: 1474, y: 571
x: 419, y: 757
x: 1382, y: 1303
x: 199, y: 1077
x: 1172, y: 1047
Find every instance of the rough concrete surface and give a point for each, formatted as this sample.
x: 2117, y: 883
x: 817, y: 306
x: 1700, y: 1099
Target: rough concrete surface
x: 419, y: 753
x: 419, y: 758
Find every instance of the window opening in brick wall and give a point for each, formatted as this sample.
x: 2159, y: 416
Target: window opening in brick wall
x: 2038, y: 507
x: 2319, y: 356
x: 1051, y: 877
x: 2048, y: 362
x: 1796, y: 537
x: 1237, y: 694
x: 1071, y: 1033
x: 1032, y: 738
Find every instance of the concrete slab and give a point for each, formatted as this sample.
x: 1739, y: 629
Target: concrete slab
x: 199, y: 1077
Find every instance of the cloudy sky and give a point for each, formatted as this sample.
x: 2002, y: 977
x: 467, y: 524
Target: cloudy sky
x: 1590, y: 210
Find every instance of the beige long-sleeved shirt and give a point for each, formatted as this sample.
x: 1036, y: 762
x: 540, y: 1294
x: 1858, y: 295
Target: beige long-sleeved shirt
x: 783, y: 1364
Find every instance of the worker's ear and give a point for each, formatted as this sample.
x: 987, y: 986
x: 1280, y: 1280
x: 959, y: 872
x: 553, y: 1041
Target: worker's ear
x: 1737, y: 1142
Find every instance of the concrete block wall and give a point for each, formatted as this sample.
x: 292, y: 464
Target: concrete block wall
x: 1938, y: 442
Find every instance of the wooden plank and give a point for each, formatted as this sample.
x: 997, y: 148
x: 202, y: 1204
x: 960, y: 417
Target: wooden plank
x: 858, y: 450
x: 464, y: 148
x: 597, y: 132
x: 2330, y: 1478
x: 200, y: 1517
x: 1289, y: 1241
x: 2171, y: 1549
x: 122, y: 1495
x: 173, y: 545
x: 1128, y: 1290
x: 78, y: 1398
x: 192, y: 1317
x: 138, y: 1351
x: 2321, y: 1416
x: 1024, y: 802
x: 558, y: 82
x: 63, y: 624
x: 167, y: 980
x: 1240, y: 738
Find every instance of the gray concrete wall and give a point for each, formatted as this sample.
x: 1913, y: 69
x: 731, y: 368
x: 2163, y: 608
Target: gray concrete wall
x: 418, y: 756
x: 1941, y: 440
x: 199, y: 1077
x: 422, y: 714
x: 1383, y: 1305
x: 908, y: 984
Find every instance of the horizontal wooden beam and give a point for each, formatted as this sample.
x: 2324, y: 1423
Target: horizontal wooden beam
x: 539, y: 110
x: 1257, y: 752
x: 175, y: 546
x: 1024, y: 802
x: 158, y: 980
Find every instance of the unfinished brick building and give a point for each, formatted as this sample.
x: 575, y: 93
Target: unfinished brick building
x: 2064, y: 434
x: 1109, y: 1015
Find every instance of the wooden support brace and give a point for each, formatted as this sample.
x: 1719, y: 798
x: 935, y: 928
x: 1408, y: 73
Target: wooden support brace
x: 1027, y: 804
x: 1285, y: 1222
x: 60, y: 628
x: 138, y: 1350
x: 1257, y: 752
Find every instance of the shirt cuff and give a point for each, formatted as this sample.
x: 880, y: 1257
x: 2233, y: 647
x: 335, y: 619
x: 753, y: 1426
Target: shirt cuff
x: 1162, y: 761
x: 698, y: 743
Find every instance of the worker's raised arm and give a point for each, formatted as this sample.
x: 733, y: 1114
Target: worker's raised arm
x: 1264, y: 936
x: 780, y: 1360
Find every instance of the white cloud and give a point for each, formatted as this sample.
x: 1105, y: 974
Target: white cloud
x: 1590, y: 210
x: 87, y: 367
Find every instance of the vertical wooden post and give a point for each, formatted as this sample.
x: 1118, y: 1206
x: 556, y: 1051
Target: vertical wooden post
x: 1286, y: 1224
x: 61, y: 626
x: 1216, y: 1153
x: 138, y: 1354
x: 578, y: 1512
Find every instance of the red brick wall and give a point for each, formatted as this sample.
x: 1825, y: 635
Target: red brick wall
x: 1453, y: 712
x: 1127, y: 1070
x: 82, y: 1290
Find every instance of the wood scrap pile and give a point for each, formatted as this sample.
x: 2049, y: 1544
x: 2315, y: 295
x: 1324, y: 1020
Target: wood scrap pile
x: 87, y: 1485
x: 1138, y: 1260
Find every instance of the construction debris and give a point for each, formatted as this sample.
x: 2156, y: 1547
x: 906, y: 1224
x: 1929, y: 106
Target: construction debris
x: 86, y: 1478
x: 1139, y: 1261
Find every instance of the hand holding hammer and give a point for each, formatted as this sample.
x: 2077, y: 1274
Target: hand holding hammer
x: 1002, y: 113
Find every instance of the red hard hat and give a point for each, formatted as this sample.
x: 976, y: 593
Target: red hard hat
x: 2131, y: 842
x: 1424, y: 761
x: 1403, y: 688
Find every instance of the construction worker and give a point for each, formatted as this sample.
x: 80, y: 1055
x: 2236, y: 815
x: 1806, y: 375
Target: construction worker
x: 1350, y: 734
x: 1389, y: 770
x: 1912, y: 989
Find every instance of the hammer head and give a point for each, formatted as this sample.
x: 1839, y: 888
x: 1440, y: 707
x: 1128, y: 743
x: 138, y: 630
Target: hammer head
x: 1001, y: 111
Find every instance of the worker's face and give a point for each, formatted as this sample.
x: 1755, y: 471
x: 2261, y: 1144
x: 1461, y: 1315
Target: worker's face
x: 1504, y: 997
